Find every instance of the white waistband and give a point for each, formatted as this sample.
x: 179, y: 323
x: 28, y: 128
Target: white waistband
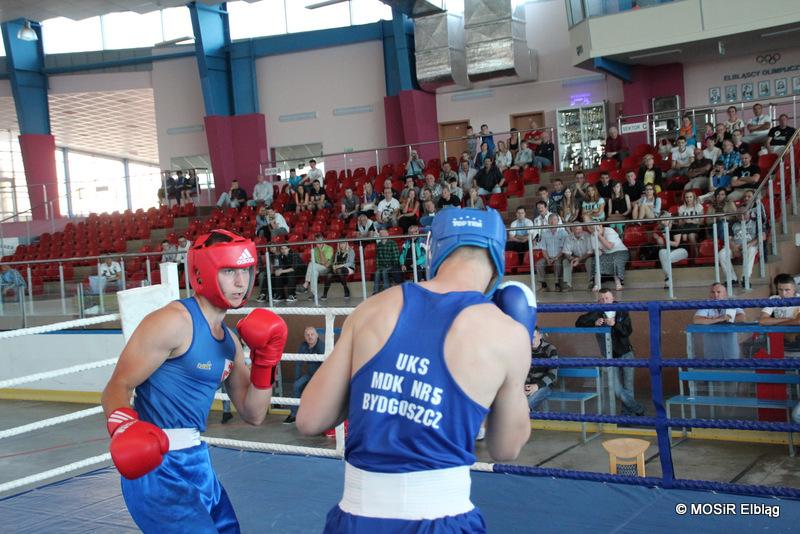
x: 182, y: 438
x: 411, y: 496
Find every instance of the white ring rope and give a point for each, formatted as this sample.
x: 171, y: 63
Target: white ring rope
x: 297, y: 311
x: 44, y: 423
x: 273, y: 447
x: 59, y: 326
x: 57, y: 372
x: 44, y: 475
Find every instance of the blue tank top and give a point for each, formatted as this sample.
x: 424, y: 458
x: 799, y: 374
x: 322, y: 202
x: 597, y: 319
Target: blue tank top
x: 180, y: 392
x: 407, y: 413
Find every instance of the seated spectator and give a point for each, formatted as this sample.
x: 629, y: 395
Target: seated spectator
x: 613, y: 255
x: 664, y: 148
x: 487, y: 137
x: 676, y: 253
x: 167, y: 252
x: 542, y: 219
x: 690, y: 230
x: 503, y: 158
x: 456, y: 190
x: 294, y: 182
x: 388, y: 210
x: 544, y: 195
x: 593, y: 206
x: 277, y: 224
x: 320, y: 265
x: 187, y: 185
x: 434, y: 187
x: 448, y: 199
x: 543, y: 155
x: 698, y: 171
x: 711, y: 151
x: 350, y: 205
x: 447, y: 173
x: 688, y: 132
x: 489, y: 178
x: 721, y: 133
x: 262, y: 193
x: 428, y: 212
x: 518, y: 239
x: 233, y: 198
x: 12, y: 284
x: 632, y: 187
x: 110, y: 272
x: 708, y: 133
x: 482, y: 155
x: 387, y: 263
x: 466, y: 173
x: 540, y: 379
x: 569, y: 211
x: 605, y: 186
x: 472, y: 144
x: 779, y: 135
x: 407, y: 254
x: 318, y: 200
x: 415, y: 165
x: 734, y: 122
x: 577, y: 249
x: 287, y: 270
x: 556, y: 196
x: 738, y: 143
x: 474, y: 201
x: 365, y: 228
x: 169, y: 190
x: 579, y: 188
x: 718, y: 179
x: 649, y: 173
x: 369, y: 200
x: 745, y: 177
x: 181, y: 252
x: 409, y: 186
x: 409, y: 213
x: 682, y: 158
x: 758, y: 208
x: 648, y: 206
x: 344, y: 264
x: 743, y: 231
x: 513, y: 141
x: 720, y: 203
x: 729, y: 157
x: 524, y: 157
x: 619, y: 206
x: 615, y: 146
x: 758, y: 127
x: 552, y: 242
x: 262, y: 223
x: 311, y: 345
x: 720, y: 345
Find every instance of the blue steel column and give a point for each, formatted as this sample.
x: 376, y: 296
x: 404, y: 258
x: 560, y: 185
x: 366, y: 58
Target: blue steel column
x: 402, y: 49
x: 28, y: 82
x: 212, y: 40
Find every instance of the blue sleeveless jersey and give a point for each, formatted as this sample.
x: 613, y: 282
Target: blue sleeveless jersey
x: 407, y: 413
x: 180, y: 392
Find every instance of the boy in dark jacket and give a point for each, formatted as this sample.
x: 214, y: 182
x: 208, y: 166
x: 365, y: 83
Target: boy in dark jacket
x: 540, y: 379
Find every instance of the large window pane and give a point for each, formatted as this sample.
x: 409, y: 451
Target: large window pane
x: 176, y: 23
x: 366, y: 11
x: 301, y: 19
x: 97, y: 184
x: 131, y: 30
x: 258, y: 19
x: 145, y: 182
x: 62, y: 35
x: 13, y: 186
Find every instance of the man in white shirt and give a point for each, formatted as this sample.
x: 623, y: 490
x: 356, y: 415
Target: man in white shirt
x: 682, y: 158
x: 758, y: 127
x: 181, y: 251
x: 110, y: 272
x: 552, y: 241
x: 315, y: 174
x: 465, y: 174
x: 262, y: 193
x: 722, y: 345
x: 388, y: 210
x: 518, y: 239
x: 711, y: 151
x: 277, y: 223
x: 577, y: 248
x: 542, y: 218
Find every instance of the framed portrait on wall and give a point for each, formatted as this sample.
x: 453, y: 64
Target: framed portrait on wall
x: 796, y: 85
x: 764, y: 89
x: 714, y: 95
x: 747, y: 90
x: 731, y: 93
x: 781, y: 87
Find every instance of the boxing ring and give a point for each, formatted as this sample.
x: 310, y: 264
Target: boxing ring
x: 286, y: 488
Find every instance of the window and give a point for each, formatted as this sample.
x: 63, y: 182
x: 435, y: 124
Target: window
x: 366, y: 11
x: 60, y: 35
x: 145, y: 182
x: 97, y: 184
x: 131, y: 30
x: 175, y: 23
x: 258, y: 19
x: 301, y: 19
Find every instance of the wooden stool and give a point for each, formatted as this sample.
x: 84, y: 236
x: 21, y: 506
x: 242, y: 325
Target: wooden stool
x: 626, y: 456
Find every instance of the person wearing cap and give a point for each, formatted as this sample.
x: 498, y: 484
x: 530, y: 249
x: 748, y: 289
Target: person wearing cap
x: 417, y: 369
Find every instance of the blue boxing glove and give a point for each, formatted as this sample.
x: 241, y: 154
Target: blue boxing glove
x: 518, y: 302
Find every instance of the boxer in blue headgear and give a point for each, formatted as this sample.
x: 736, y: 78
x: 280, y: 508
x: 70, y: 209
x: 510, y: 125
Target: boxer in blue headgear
x: 416, y: 369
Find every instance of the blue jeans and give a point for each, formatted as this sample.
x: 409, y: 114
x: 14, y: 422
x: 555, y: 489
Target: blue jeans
x: 383, y: 279
x: 302, y: 380
x: 540, y: 162
x: 623, y: 387
x: 537, y: 398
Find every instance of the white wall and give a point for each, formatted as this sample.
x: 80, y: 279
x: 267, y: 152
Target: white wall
x: 104, y: 81
x: 321, y: 81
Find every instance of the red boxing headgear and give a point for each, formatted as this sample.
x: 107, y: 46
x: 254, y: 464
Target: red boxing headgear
x: 205, y: 261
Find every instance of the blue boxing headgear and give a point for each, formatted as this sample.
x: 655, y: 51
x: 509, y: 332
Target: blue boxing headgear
x: 467, y: 227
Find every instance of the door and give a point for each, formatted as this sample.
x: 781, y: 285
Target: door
x: 454, y: 148
x: 527, y: 121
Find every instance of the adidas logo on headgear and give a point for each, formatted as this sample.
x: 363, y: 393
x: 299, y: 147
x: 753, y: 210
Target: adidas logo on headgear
x: 246, y: 257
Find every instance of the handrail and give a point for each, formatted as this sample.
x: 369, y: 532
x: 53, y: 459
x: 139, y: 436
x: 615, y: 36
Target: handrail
x: 705, y: 107
x: 773, y: 168
x: 41, y: 204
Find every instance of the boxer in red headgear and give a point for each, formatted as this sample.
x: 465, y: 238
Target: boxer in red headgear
x: 176, y: 359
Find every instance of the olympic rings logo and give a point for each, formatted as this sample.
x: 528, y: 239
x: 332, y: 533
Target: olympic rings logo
x: 770, y: 59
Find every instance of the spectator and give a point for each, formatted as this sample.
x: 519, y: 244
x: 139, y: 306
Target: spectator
x: 593, y: 206
x: 720, y: 204
x: 577, y: 249
x: 513, y: 142
x: 409, y: 185
x: 744, y: 231
x: 708, y: 132
x: 287, y: 270
x: 688, y: 132
x: 664, y: 148
x: 676, y: 253
x: 543, y: 155
x: 579, y: 188
x: 605, y: 187
x: 503, y: 157
x: 365, y: 227
x: 294, y: 182
x: 297, y: 199
x: 721, y: 133
x: 524, y: 157
x: 181, y: 252
x: 758, y: 127
x: 518, y: 239
x: 318, y: 200
x: 110, y: 272
x: 619, y: 206
x: 428, y: 212
x: 262, y: 192
x: 482, y: 155
x: 388, y: 261
x: 615, y: 146
x: 488, y: 178
x: 758, y: 206
x: 455, y: 190
x: 406, y: 258
x: 779, y: 135
x: 648, y: 206
x: 785, y: 288
x: 569, y: 211
x: 542, y: 219
x: 448, y: 199
x: 433, y: 186
x: 745, y: 177
x: 540, y: 379
x: 409, y: 214
x: 320, y: 265
x: 738, y: 144
x: 613, y: 255
x: 11, y: 282
x: 167, y: 252
x: 487, y: 138
x: 689, y: 230
x: 415, y: 165
x: 734, y: 122
x: 472, y: 143
x: 474, y: 200
x: 557, y: 196
x: 447, y: 173
x: 388, y: 210
x: 544, y: 195
x: 314, y: 174
x: 649, y: 173
x: 262, y: 223
x: 632, y: 187
x: 682, y: 158
x: 729, y: 157
x: 465, y: 175
x: 621, y: 330
x: 186, y: 185
x: 698, y: 171
x: 711, y: 151
x: 718, y: 179
x: 350, y: 205
x: 552, y: 245
x: 277, y: 223
x: 311, y: 345
x: 344, y: 265
x: 720, y: 345
x: 369, y: 200
x: 233, y: 198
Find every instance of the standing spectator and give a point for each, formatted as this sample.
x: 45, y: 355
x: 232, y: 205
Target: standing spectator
x: 688, y: 131
x: 577, y: 249
x: 613, y: 255
x: 744, y: 178
x: 738, y: 143
x: 503, y: 157
x: 11, y: 282
x: 388, y: 261
x: 593, y: 206
x: 579, y: 188
x: 474, y: 201
x: 287, y: 270
x: 758, y: 127
x: 487, y: 137
x: 262, y: 193
x: 518, y: 238
x: 415, y: 165
x: 632, y: 187
x: 779, y: 135
x: 233, y: 198
x: 465, y: 175
x: 344, y: 264
x: 552, y: 245
x: 369, y: 200
x: 321, y: 260
x: 543, y: 155
x: 428, y: 212
x: 513, y: 142
x: 676, y: 253
x: 311, y: 345
x: 482, y: 155
x: 167, y: 252
x: 720, y: 345
x: 682, y: 158
x: 350, y: 205
x: 649, y: 173
x: 569, y: 210
x: 698, y: 171
x: 540, y: 379
x: 744, y: 230
x: 388, y: 210
x: 712, y: 152
x: 409, y: 214
x: 314, y: 174
x: 648, y: 206
x: 605, y: 187
x: 615, y: 146
x: 365, y: 228
x: 621, y: 330
x: 472, y: 143
x: 406, y: 257
x: 524, y: 157
x: 734, y: 122
x: 729, y: 157
x: 489, y: 178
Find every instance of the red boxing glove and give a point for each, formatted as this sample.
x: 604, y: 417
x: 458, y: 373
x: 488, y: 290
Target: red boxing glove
x: 265, y: 333
x: 137, y: 447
